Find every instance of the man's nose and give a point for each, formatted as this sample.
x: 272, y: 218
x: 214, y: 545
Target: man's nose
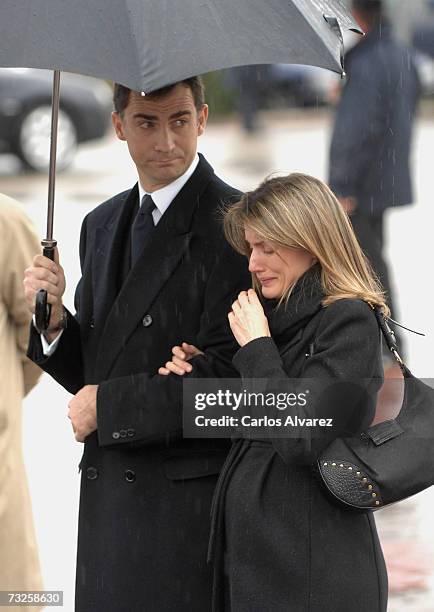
x: 165, y: 140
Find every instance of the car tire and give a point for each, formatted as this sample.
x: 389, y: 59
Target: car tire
x: 33, y: 139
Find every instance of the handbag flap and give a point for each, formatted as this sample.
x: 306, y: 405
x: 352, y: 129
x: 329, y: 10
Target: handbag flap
x: 382, y: 432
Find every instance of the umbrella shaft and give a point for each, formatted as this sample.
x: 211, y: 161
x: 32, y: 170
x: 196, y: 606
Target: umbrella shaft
x: 53, y: 152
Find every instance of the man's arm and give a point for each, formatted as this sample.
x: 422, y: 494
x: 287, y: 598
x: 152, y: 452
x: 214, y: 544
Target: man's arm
x: 65, y: 363
x: 144, y: 408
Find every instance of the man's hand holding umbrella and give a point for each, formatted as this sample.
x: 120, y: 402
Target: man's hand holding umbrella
x: 49, y: 275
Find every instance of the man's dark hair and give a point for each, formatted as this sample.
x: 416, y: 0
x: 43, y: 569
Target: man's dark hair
x: 121, y: 93
x: 371, y: 10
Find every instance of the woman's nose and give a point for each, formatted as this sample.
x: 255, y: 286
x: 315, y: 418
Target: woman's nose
x: 254, y: 263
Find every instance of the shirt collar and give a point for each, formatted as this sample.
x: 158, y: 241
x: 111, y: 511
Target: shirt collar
x: 164, y: 197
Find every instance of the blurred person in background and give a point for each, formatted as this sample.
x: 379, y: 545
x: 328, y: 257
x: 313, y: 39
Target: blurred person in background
x: 249, y: 84
x: 19, y: 563
x: 372, y: 134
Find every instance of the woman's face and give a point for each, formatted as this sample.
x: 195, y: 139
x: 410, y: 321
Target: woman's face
x: 276, y: 267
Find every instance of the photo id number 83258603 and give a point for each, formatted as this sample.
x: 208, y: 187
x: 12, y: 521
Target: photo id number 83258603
x: 31, y: 598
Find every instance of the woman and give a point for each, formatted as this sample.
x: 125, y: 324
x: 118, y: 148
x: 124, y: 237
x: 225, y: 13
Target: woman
x: 278, y: 542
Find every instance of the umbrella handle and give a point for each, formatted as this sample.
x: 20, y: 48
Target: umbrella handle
x: 42, y: 307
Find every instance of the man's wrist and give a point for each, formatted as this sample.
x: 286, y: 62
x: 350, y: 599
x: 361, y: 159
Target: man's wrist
x: 60, y: 324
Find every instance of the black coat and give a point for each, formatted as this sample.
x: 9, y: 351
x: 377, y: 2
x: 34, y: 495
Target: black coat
x: 287, y: 547
x: 372, y: 136
x: 145, y: 491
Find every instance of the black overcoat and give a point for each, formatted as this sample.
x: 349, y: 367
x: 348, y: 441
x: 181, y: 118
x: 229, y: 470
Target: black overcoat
x: 373, y: 130
x: 287, y: 546
x: 145, y: 491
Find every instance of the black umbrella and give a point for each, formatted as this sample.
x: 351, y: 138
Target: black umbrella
x: 147, y: 44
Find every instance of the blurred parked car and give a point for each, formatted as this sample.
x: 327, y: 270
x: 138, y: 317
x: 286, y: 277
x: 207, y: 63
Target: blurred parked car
x: 300, y: 85
x: 25, y: 114
x: 423, y: 43
x: 283, y: 85
x: 425, y: 69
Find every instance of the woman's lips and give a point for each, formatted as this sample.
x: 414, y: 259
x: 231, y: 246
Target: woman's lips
x: 266, y: 281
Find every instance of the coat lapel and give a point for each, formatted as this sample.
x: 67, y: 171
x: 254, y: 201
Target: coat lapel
x: 110, y: 241
x: 164, y: 250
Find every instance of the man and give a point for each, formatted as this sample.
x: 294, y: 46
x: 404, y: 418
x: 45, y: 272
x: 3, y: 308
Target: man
x: 19, y: 563
x: 370, y: 148
x: 151, y: 278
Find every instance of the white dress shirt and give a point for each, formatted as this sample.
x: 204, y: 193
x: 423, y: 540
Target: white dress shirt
x: 162, y: 199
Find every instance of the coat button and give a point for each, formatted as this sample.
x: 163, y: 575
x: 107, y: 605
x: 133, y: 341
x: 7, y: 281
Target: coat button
x: 92, y: 473
x: 147, y: 320
x: 130, y: 433
x: 115, y: 435
x: 130, y: 475
x: 92, y: 323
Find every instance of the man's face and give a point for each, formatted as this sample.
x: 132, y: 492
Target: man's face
x: 161, y: 134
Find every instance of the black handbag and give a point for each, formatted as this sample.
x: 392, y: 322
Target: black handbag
x: 389, y: 461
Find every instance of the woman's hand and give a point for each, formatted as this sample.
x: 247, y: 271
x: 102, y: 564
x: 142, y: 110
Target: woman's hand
x: 181, y: 355
x: 247, y: 318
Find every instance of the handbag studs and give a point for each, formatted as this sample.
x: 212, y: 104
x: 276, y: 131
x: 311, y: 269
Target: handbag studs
x: 362, y: 478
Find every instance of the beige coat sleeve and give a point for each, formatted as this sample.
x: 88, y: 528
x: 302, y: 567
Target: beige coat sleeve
x: 20, y: 244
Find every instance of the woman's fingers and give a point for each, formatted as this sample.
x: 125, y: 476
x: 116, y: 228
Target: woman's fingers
x: 174, y: 369
x: 178, y: 352
x: 236, y: 308
x: 235, y: 328
x: 253, y: 297
x: 243, y: 299
x: 180, y: 356
x: 181, y: 363
x: 233, y: 322
x: 191, y: 350
x: 186, y: 351
x: 177, y: 365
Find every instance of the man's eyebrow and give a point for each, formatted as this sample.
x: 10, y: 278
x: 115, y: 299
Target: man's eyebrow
x: 181, y: 113
x: 144, y: 116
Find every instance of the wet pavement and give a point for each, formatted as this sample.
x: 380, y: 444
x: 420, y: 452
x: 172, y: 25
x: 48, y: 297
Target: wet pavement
x: 287, y: 142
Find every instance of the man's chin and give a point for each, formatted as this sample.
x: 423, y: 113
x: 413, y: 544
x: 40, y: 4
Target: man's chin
x: 168, y: 172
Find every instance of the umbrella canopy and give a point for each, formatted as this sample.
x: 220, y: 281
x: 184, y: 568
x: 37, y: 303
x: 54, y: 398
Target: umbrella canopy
x: 146, y: 44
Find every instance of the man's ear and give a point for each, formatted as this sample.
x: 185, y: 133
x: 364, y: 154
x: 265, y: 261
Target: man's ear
x: 118, y: 125
x: 202, y: 119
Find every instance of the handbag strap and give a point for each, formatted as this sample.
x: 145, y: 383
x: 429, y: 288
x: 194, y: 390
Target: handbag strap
x: 389, y: 337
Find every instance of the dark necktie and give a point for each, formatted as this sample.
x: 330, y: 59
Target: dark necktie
x: 142, y: 227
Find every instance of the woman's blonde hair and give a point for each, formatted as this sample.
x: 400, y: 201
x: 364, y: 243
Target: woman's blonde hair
x: 299, y: 211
